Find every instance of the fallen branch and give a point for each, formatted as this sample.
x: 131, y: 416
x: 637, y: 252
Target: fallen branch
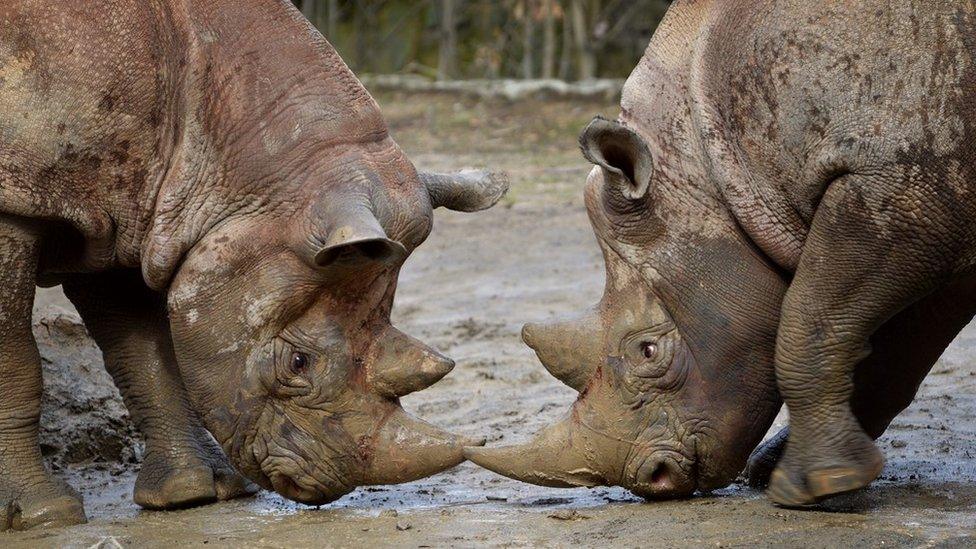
x: 512, y: 90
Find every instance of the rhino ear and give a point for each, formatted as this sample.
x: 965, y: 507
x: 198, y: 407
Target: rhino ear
x: 353, y: 237
x: 622, y: 153
x: 465, y: 191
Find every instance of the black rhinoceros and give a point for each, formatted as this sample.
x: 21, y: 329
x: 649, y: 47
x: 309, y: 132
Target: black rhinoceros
x: 222, y: 201
x: 786, y: 207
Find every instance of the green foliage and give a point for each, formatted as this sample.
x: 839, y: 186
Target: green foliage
x: 568, y: 39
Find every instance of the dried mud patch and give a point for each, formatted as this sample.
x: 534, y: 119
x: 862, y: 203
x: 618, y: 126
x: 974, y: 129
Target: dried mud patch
x: 83, y: 420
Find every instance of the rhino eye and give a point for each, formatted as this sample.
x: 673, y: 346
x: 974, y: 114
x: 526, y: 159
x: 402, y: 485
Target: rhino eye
x: 299, y: 363
x: 649, y: 350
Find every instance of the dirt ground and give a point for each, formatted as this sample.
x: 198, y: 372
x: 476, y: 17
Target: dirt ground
x: 467, y: 291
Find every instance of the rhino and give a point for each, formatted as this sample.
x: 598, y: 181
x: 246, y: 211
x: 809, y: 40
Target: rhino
x: 222, y: 201
x: 787, y: 213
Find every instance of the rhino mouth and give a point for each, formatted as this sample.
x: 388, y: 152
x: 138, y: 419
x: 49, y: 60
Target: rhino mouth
x: 293, y: 490
x: 302, y: 487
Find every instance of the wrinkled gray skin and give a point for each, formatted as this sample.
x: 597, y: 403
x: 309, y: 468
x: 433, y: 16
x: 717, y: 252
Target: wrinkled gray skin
x: 785, y: 207
x: 222, y: 202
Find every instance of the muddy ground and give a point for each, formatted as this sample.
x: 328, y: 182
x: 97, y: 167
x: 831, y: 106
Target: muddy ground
x: 467, y: 292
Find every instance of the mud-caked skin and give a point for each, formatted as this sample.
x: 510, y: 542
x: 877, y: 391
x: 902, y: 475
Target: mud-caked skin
x: 221, y: 200
x: 786, y: 210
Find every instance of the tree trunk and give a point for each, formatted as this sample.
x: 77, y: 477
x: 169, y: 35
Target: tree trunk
x: 566, y: 55
x: 447, y: 65
x: 309, y: 11
x: 364, y: 25
x: 549, y: 45
x: 528, y: 49
x: 332, y: 28
x: 584, y: 50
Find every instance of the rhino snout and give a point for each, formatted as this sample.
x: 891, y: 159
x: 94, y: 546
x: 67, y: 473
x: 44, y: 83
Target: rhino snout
x: 663, y: 476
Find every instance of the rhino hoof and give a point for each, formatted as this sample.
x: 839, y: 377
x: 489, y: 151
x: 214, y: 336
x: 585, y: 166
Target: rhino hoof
x: 44, y: 506
x: 161, y: 486
x: 787, y: 493
x: 834, y: 482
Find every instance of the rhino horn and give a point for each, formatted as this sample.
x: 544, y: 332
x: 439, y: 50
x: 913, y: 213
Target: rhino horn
x: 465, y: 191
x: 622, y: 154
x: 354, y: 234
x: 556, y: 457
x: 400, y: 365
x: 568, y: 350
x: 406, y: 449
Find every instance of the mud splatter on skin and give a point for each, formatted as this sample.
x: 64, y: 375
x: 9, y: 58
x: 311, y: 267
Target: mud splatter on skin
x: 229, y: 214
x: 816, y: 208
x: 926, y: 494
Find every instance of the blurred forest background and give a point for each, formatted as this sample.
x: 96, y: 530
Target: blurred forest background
x: 493, y: 39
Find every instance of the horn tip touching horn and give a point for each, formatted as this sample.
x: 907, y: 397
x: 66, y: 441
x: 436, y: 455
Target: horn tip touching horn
x: 472, y: 442
x: 498, y: 459
x: 489, y: 458
x: 509, y: 461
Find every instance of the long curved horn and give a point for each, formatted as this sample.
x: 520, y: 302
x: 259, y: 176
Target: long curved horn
x: 569, y: 350
x: 465, y: 191
x: 399, y: 365
x: 556, y: 457
x: 406, y: 449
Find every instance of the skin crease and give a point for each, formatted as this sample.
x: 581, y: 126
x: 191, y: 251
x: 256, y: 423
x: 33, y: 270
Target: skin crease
x: 222, y: 201
x: 805, y: 223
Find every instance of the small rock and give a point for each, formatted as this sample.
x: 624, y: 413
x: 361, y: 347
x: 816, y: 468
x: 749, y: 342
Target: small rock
x: 552, y: 501
x: 898, y: 443
x: 403, y: 526
x: 568, y: 514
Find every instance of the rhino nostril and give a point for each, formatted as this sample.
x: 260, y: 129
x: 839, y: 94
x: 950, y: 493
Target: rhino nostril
x: 662, y: 477
x: 659, y: 474
x: 665, y: 479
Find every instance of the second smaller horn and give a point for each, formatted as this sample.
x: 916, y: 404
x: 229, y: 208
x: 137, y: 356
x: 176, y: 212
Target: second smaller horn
x: 465, y: 191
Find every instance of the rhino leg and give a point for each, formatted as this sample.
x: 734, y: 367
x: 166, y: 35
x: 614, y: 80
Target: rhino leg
x: 29, y: 496
x: 183, y: 466
x: 903, y: 352
x: 867, y: 257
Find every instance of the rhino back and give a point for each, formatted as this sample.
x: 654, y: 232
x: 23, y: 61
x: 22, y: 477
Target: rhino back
x: 83, y: 91
x: 141, y: 125
x: 784, y: 96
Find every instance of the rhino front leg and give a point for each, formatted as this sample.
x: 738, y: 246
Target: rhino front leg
x: 867, y: 257
x: 29, y: 496
x: 183, y: 466
x: 903, y: 352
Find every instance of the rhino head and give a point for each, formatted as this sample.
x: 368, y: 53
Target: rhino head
x: 281, y: 325
x: 280, y: 226
x: 674, y: 365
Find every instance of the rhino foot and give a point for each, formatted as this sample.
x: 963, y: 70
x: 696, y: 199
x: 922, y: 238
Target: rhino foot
x: 188, y: 479
x: 803, y: 480
x: 47, y: 504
